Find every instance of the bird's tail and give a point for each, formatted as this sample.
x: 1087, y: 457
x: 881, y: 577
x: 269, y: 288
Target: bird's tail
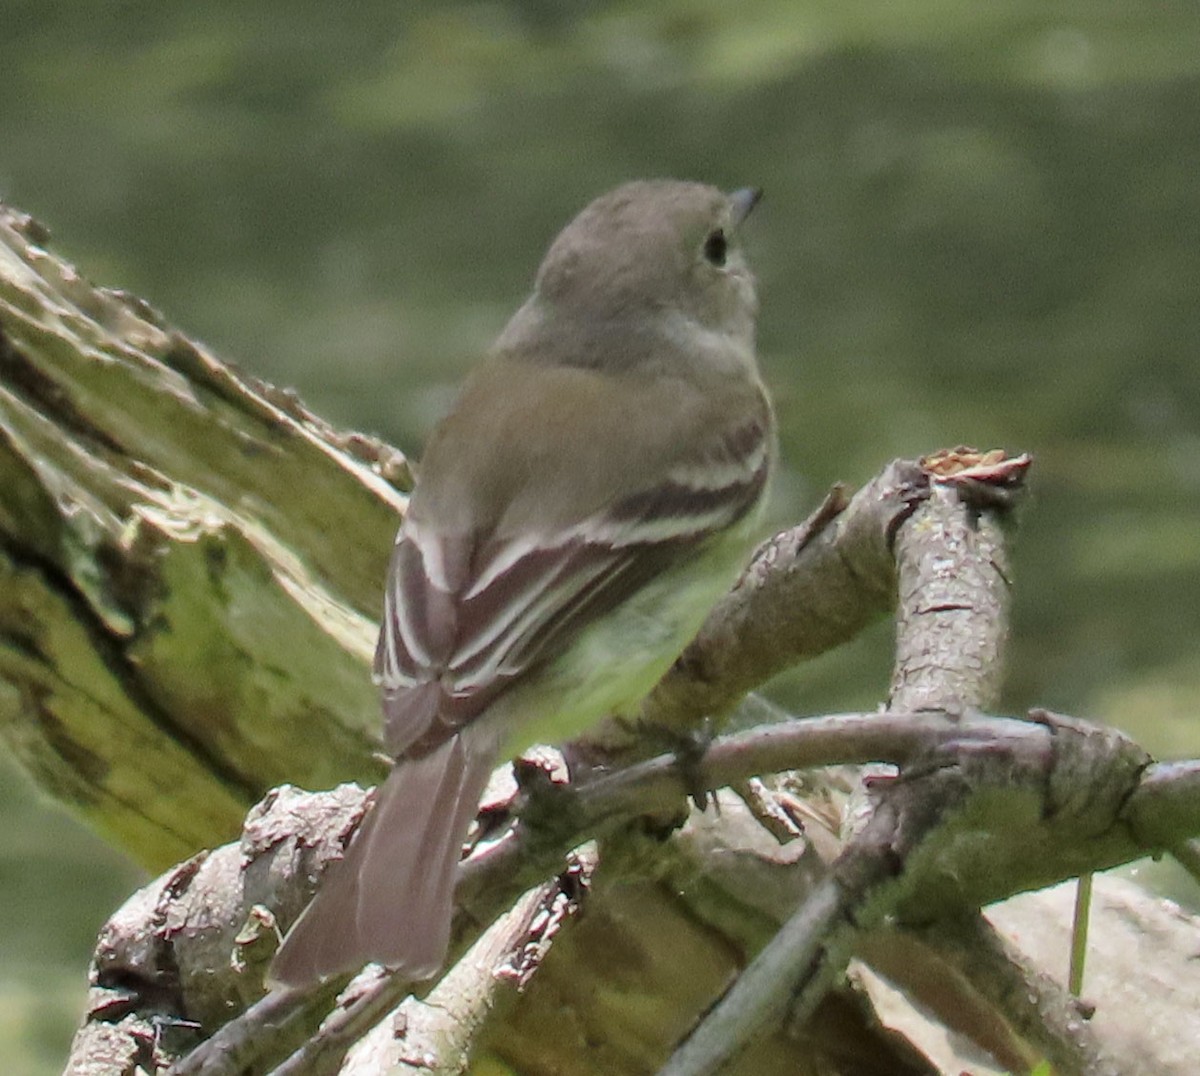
x: 390, y: 901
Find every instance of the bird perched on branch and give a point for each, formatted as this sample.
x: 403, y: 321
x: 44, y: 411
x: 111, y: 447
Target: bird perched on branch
x: 587, y: 500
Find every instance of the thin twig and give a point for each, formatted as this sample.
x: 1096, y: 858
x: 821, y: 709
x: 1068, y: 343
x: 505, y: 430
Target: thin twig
x: 1079, y: 933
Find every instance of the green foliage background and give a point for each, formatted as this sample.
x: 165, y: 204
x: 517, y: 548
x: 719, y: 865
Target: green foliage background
x: 982, y: 224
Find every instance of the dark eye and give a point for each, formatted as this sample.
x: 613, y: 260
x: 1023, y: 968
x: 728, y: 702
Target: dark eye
x: 715, y: 247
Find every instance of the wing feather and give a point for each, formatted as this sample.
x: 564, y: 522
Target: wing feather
x: 472, y: 613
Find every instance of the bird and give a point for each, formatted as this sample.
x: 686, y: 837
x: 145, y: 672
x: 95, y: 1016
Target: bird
x: 589, y: 497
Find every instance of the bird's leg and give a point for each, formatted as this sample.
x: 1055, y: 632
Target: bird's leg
x: 689, y: 746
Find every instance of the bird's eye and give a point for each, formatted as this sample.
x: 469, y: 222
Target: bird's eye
x: 715, y: 247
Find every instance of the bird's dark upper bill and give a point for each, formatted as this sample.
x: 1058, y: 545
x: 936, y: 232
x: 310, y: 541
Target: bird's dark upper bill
x: 742, y: 201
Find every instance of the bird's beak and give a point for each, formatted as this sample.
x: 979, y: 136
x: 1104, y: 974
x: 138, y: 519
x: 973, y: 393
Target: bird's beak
x: 741, y: 202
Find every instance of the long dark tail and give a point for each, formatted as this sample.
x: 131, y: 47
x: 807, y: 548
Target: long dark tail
x: 390, y: 900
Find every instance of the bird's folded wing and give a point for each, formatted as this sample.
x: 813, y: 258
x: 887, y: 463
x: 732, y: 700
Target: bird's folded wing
x: 465, y: 615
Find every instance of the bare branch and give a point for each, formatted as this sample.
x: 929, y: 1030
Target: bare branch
x: 950, y: 624
x: 937, y: 825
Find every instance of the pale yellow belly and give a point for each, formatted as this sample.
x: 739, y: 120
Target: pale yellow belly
x: 615, y: 662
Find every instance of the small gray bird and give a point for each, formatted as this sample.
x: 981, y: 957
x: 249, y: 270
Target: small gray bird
x: 586, y: 502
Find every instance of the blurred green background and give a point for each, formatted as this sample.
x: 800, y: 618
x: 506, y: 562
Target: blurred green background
x: 982, y: 224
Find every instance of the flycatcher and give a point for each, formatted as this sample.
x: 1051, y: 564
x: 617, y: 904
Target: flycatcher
x: 586, y: 502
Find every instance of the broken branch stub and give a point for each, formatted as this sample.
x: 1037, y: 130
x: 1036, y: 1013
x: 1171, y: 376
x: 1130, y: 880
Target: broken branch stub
x: 189, y: 567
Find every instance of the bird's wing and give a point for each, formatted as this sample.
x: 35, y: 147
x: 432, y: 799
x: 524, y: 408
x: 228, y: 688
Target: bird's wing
x: 465, y: 616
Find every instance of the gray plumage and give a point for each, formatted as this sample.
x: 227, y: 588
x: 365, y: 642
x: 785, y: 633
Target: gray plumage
x: 587, y: 500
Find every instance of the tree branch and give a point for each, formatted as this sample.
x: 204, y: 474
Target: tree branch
x: 1010, y: 779
x: 165, y: 553
x: 950, y: 626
